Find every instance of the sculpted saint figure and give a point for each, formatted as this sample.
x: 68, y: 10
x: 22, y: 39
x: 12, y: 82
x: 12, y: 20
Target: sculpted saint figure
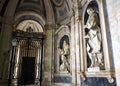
x: 64, y: 56
x: 94, y: 48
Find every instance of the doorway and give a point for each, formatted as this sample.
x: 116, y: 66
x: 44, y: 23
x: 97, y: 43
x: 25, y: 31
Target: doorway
x: 27, y: 71
x: 26, y: 58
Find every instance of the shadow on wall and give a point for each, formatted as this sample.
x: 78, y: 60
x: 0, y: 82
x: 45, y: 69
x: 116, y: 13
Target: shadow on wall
x: 94, y: 81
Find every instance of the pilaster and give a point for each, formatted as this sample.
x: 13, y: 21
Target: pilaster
x: 75, y: 44
x: 5, y: 46
x: 48, y: 55
x: 5, y: 41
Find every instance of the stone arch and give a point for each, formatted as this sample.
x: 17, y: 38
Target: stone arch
x: 49, y: 10
x: 64, y: 38
x: 29, y: 23
x: 88, y: 4
x: 94, y: 5
x: 28, y: 15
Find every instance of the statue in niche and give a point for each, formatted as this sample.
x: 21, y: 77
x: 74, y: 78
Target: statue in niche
x: 93, y: 39
x: 64, y: 57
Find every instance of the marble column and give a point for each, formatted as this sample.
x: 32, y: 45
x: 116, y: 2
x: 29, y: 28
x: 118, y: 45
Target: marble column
x: 49, y: 55
x: 75, y: 50
x: 5, y: 40
x: 16, y: 67
x: 72, y: 51
x: 5, y: 50
x: 75, y: 46
x: 38, y: 59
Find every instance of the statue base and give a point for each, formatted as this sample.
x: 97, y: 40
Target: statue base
x: 64, y: 72
x: 94, y: 69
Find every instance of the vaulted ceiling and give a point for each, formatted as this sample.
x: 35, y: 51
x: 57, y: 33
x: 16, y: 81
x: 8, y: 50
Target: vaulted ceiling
x: 51, y: 11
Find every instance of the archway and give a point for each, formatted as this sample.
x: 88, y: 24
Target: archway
x: 27, y: 54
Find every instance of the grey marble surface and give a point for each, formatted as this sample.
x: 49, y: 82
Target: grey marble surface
x: 97, y: 82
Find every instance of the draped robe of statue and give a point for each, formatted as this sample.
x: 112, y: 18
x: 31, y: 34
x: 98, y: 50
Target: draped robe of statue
x: 94, y: 48
x: 64, y: 56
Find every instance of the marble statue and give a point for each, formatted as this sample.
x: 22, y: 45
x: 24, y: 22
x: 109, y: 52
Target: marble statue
x: 93, y: 37
x: 64, y: 56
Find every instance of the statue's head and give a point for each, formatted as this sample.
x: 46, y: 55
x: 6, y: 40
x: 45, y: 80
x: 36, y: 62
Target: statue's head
x: 64, y: 43
x: 90, y: 10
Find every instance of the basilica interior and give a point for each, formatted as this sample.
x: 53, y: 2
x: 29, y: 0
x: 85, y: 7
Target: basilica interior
x: 59, y: 43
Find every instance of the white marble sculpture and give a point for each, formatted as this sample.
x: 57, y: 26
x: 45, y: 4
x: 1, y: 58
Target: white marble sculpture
x: 94, y: 48
x: 64, y: 56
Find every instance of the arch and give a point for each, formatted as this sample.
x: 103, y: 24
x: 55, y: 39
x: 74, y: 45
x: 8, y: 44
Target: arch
x: 94, y: 5
x: 91, y: 3
x: 58, y: 2
x: 64, y: 38
x: 29, y: 23
x: 49, y: 10
x: 28, y: 15
x: 61, y: 27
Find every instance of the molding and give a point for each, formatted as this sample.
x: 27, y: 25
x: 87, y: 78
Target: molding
x: 28, y: 15
x: 58, y: 2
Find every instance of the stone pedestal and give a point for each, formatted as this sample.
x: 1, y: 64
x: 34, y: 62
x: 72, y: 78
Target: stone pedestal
x: 94, y: 69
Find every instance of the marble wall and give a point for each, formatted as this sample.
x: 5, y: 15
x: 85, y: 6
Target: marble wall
x: 94, y: 81
x: 113, y: 15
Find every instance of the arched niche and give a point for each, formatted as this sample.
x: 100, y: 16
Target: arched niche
x: 64, y: 57
x: 93, y: 38
x: 61, y: 34
x: 62, y: 54
x: 86, y: 69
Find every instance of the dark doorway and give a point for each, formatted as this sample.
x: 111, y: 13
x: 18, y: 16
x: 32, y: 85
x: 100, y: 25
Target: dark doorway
x: 27, y: 71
